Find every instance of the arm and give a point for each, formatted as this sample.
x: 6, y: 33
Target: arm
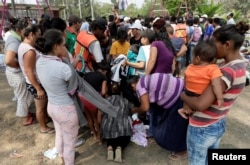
x: 137, y: 65
x: 29, y: 61
x: 10, y: 59
x: 152, y: 60
x: 182, y: 50
x: 116, y: 14
x: 144, y: 107
x: 104, y: 88
x: 204, y: 101
x: 95, y: 49
x: 217, y: 88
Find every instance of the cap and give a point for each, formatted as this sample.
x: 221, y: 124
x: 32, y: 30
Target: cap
x: 126, y: 19
x: 159, y: 23
x: 204, y: 16
x: 148, y: 33
x: 136, y: 26
x: 74, y: 19
x: 101, y: 23
x: 180, y: 19
x: 137, y: 21
x: 157, y: 18
x: 216, y: 16
x: 121, y: 16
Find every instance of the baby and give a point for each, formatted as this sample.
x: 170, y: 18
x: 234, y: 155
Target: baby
x: 201, y: 73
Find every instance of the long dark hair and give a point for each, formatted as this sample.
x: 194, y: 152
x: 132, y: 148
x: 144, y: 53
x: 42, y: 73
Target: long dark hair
x: 50, y: 38
x: 162, y: 35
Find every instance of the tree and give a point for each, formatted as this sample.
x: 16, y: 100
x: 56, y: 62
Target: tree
x: 238, y: 6
x: 210, y: 9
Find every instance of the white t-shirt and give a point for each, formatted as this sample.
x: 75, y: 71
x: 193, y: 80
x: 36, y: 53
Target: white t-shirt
x: 24, y: 48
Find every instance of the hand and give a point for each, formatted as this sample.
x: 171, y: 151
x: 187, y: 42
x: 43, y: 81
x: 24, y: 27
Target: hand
x: 41, y: 94
x: 220, y: 102
x: 183, y: 113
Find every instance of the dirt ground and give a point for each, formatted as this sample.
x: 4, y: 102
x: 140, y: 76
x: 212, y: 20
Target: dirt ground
x: 31, y: 144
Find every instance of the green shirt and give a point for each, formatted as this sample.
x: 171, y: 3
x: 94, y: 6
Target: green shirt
x: 70, y: 41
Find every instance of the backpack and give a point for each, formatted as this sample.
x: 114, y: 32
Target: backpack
x: 181, y: 32
x: 196, y: 34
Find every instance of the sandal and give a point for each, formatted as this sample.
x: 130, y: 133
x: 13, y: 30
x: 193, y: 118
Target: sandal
x: 48, y: 131
x: 176, y: 156
x: 30, y: 121
x: 118, y: 155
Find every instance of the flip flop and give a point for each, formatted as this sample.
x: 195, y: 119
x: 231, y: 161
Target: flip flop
x: 48, y: 131
x: 14, y: 154
x: 31, y: 121
x: 174, y: 156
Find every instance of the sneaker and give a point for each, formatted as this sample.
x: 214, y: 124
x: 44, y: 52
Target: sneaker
x: 110, y: 154
x: 118, y: 155
x: 80, y: 142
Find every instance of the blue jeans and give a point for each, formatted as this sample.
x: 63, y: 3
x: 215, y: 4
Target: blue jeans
x: 200, y: 139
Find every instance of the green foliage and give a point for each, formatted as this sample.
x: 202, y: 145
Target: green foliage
x: 210, y: 9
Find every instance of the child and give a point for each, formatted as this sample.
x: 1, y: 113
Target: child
x: 148, y: 36
x: 121, y: 45
x: 203, y: 72
x: 98, y: 81
x: 132, y: 55
x: 117, y: 131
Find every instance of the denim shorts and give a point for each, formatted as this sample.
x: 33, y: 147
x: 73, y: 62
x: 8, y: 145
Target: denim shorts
x: 32, y: 90
x: 200, y: 139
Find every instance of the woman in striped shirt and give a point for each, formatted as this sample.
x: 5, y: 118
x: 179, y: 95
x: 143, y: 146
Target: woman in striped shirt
x: 169, y: 128
x: 208, y: 117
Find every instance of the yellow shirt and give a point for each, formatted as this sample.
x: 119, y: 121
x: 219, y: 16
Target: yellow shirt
x: 117, y: 48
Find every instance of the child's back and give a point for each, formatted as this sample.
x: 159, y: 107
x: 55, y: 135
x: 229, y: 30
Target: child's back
x: 120, y: 126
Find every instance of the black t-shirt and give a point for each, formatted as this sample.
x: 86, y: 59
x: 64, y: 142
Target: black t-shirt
x: 134, y: 41
x: 95, y: 79
x: 113, y: 30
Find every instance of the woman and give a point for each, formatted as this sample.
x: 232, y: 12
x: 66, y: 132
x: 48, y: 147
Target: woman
x: 162, y: 91
x: 14, y: 74
x: 54, y: 76
x: 208, y: 116
x: 27, y: 57
x: 161, y: 51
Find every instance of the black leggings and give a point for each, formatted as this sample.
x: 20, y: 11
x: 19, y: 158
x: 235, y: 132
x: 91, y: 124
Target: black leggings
x: 121, y: 141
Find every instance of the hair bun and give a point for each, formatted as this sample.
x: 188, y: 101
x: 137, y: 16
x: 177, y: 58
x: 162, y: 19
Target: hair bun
x: 40, y: 43
x: 242, y: 27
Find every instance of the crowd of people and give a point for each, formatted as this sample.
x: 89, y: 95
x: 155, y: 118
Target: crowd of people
x: 98, y: 73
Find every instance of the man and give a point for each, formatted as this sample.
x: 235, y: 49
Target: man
x: 136, y: 35
x: 85, y: 24
x: 71, y: 32
x: 230, y: 19
x: 88, y: 48
x: 216, y: 23
x: 181, y: 29
x: 180, y: 50
x: 127, y: 23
